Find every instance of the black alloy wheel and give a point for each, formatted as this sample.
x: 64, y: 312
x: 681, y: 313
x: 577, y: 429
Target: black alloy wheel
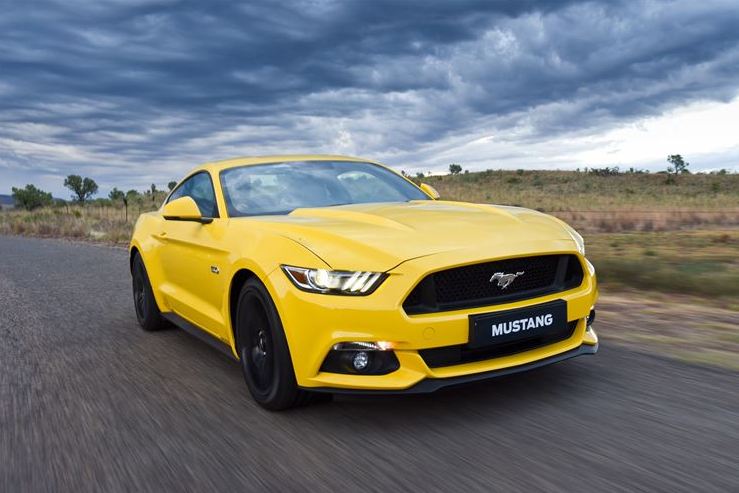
x: 259, y: 349
x: 264, y: 353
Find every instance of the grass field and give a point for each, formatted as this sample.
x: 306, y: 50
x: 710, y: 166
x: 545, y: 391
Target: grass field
x: 555, y: 191
x: 700, y: 262
x: 669, y: 324
x: 661, y: 234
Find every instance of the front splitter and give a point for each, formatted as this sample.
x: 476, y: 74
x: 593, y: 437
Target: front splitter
x: 433, y: 384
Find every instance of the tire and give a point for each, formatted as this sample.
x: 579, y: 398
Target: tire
x: 264, y: 353
x: 147, y: 311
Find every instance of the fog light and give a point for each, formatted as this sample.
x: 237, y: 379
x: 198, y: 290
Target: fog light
x: 360, y: 360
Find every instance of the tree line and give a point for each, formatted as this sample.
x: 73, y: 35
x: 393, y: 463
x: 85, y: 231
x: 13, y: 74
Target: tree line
x: 83, y: 190
x: 677, y: 166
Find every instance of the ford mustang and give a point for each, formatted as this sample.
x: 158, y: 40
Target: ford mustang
x: 330, y: 274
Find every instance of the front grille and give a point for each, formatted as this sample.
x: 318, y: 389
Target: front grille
x: 470, y: 286
x: 459, y: 354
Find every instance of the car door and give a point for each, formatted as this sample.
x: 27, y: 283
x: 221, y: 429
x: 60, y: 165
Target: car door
x: 192, y: 256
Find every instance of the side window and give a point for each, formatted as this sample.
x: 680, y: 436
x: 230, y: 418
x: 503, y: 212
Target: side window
x: 200, y: 188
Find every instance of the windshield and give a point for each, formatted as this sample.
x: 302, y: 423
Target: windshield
x: 282, y: 187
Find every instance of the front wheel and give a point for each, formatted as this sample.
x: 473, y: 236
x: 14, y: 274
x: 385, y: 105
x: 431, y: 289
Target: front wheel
x: 264, y: 353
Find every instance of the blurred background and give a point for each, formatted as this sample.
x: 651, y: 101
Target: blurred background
x: 618, y: 117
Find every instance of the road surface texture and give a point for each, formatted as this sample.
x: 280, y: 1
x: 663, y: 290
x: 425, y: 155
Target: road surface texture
x: 89, y: 402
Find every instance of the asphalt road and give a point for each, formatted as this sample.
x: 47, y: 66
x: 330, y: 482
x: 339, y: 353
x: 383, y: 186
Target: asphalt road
x: 88, y: 402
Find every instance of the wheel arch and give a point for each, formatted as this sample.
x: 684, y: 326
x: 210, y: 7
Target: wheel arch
x: 149, y: 259
x: 237, y: 282
x: 131, y: 256
x: 260, y: 265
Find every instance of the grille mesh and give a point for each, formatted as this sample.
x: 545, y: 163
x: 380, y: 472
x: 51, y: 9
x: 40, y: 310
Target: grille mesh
x: 473, y: 281
x: 470, y: 286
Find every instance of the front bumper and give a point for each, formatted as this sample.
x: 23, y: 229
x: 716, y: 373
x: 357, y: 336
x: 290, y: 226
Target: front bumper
x: 313, y: 323
x: 434, y: 384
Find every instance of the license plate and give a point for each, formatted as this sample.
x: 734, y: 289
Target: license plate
x: 489, y: 329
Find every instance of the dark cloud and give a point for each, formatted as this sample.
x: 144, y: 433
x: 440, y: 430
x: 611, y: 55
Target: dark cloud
x: 136, y: 91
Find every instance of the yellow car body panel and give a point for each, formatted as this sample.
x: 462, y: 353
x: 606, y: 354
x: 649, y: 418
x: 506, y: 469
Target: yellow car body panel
x: 192, y: 267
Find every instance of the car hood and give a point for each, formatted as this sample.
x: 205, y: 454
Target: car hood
x: 379, y: 237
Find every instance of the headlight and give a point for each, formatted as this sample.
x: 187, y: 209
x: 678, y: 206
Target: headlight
x: 355, y: 283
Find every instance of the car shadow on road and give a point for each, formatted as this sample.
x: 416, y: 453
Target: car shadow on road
x: 528, y: 392
x: 532, y: 388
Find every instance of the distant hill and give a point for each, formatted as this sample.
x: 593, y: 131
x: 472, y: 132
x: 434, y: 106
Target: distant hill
x: 6, y: 200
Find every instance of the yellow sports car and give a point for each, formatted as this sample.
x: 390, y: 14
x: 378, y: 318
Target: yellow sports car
x: 326, y: 274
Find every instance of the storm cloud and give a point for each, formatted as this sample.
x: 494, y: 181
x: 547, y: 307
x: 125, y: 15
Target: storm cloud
x: 132, y: 92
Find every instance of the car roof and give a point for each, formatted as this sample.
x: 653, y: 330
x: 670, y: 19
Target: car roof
x: 216, y: 166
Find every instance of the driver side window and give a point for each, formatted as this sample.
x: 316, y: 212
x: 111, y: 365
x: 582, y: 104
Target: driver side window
x: 199, y: 187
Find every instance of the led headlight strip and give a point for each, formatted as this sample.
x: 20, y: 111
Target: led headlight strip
x: 356, y: 283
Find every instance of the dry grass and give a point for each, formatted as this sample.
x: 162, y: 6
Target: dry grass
x: 658, y: 220
x: 555, y: 191
x: 101, y: 224
x: 680, y: 326
x: 591, y: 203
x: 698, y: 262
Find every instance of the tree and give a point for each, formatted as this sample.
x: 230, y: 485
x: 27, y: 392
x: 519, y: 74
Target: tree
x: 31, y: 197
x: 129, y: 196
x: 455, y: 169
x: 679, y: 165
x: 171, y: 185
x: 116, y: 195
x: 83, y: 188
x: 153, y: 192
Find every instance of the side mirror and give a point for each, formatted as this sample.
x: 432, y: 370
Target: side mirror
x: 430, y: 191
x: 184, y: 209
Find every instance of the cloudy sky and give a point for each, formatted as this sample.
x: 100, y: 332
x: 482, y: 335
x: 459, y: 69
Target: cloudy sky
x: 132, y: 92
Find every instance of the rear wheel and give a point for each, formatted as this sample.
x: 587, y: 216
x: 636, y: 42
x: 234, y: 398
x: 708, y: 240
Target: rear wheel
x: 264, y: 353
x: 147, y: 311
